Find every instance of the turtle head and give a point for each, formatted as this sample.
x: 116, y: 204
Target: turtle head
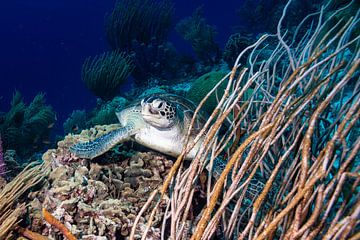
x: 158, y: 112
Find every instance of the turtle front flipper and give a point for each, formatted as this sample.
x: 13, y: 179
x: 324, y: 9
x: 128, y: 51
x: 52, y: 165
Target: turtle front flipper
x: 102, y: 144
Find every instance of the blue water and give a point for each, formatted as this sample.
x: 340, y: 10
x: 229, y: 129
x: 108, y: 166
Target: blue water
x: 44, y: 43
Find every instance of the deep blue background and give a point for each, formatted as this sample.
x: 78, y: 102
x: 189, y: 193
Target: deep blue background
x: 43, y: 44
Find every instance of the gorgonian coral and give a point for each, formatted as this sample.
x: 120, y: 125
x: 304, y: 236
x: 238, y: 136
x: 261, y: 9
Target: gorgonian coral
x: 104, y: 74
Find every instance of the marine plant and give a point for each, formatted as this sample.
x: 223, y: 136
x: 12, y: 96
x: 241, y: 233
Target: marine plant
x: 297, y: 131
x: 26, y: 128
x: 104, y: 74
x: 201, y: 37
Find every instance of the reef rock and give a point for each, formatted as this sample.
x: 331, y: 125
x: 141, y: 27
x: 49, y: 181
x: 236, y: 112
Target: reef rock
x: 98, y: 199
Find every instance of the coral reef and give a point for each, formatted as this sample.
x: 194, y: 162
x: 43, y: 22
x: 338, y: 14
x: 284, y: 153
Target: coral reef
x: 201, y: 37
x: 285, y: 135
x: 201, y: 87
x: 99, y: 198
x: 155, y: 60
x: 26, y: 129
x: 297, y: 130
x: 104, y: 74
x: 102, y: 114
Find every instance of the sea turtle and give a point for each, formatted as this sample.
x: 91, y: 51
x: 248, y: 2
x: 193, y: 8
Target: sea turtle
x: 158, y: 121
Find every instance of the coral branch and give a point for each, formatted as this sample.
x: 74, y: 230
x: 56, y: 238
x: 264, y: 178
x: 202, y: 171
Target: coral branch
x: 13, y: 191
x: 219, y: 184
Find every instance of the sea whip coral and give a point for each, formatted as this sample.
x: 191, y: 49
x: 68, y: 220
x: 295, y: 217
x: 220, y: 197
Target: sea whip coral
x: 2, y: 161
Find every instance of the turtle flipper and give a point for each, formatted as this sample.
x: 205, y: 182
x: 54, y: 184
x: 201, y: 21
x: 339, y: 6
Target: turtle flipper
x: 102, y: 144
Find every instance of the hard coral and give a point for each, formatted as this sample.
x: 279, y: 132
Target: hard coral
x: 96, y: 200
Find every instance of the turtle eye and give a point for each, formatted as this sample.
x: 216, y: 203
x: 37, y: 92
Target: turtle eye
x: 157, y: 104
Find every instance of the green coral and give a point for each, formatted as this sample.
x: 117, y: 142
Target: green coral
x: 26, y: 129
x: 105, y: 73
x: 203, y: 85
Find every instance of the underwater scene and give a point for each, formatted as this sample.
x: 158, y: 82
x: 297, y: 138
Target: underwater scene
x: 169, y: 119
